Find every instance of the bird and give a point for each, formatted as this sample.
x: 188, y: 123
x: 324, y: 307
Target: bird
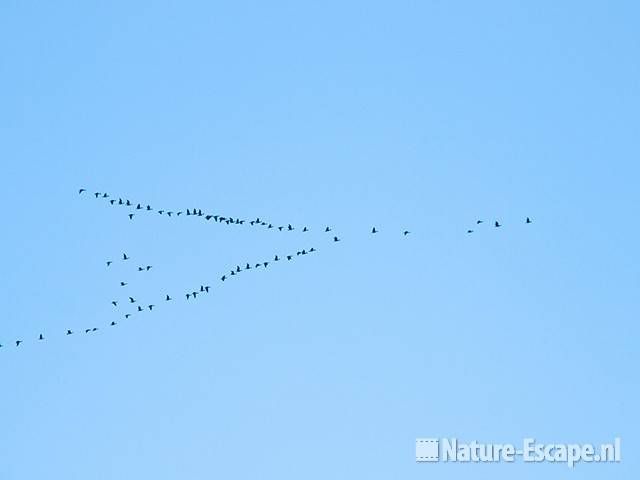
x: 289, y: 227
x: 167, y: 299
x: 223, y: 278
x: 18, y: 342
x: 188, y: 296
x: 151, y: 307
x: 124, y: 256
x: 128, y: 203
x: 305, y: 229
x: 202, y: 288
x: 138, y: 207
x: 336, y: 239
x: 82, y: 190
x: 114, y: 303
x: 206, y: 288
x: 238, y: 269
x: 94, y: 329
x: 131, y: 216
x: 373, y: 230
x: 327, y: 229
x: 312, y: 250
x: 280, y: 228
x: 257, y: 265
x: 132, y: 300
x: 105, y: 195
x: 139, y: 308
x: 528, y: 220
x: 208, y: 217
x: 120, y: 202
x: 127, y: 315
x: 270, y: 226
x: 233, y: 272
x: 289, y: 257
x: 265, y: 264
x: 304, y: 252
x: 148, y: 207
x: 406, y: 232
x: 275, y: 259
x: 247, y: 267
x: 141, y: 269
x: 169, y: 213
x: 97, y: 194
x: 122, y: 284
x: 160, y: 212
x: 113, y: 324
x: 41, y: 337
x: 478, y: 222
x: 87, y: 330
x: 469, y: 231
x: 112, y: 201
x: 148, y: 267
x: 195, y: 294
x: 69, y: 332
x: 178, y: 213
x: 109, y: 262
x: 497, y: 224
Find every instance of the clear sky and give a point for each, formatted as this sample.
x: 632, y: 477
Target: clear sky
x: 422, y: 116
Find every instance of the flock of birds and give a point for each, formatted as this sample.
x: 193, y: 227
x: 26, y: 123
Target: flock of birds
x: 192, y: 294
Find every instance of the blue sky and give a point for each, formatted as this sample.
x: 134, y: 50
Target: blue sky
x: 404, y: 115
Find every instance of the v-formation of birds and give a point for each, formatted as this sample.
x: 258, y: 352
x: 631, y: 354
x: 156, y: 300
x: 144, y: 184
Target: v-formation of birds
x: 193, y: 294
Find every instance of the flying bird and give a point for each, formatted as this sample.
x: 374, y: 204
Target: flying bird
x: 373, y: 230
x: 132, y: 300
x: 113, y: 324
x: 151, y: 307
x: 127, y: 315
x: 114, y: 303
x: 139, y: 308
x: 97, y: 194
x: 223, y: 278
x: 122, y: 284
x: 478, y: 222
x: 69, y: 332
x: 469, y: 231
x: 305, y: 229
x: 406, y: 232
x: 206, y: 288
x: 124, y: 256
x: 327, y: 229
x: 336, y: 239
x: 82, y: 190
x: 275, y: 259
x: 167, y: 299
x: 289, y: 227
x: 18, y: 342
x: 131, y: 216
x: 109, y: 262
x: 497, y: 224
x: 528, y: 220
x: 41, y: 337
x: 289, y: 257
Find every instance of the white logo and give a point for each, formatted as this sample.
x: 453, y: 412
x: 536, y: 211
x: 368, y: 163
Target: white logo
x: 451, y: 450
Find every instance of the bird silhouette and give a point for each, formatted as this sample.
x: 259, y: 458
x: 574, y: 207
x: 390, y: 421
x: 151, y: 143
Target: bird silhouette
x: 528, y: 220
x: 223, y: 278
x: 373, y: 230
x: 336, y: 239
x: 109, y: 262
x: 132, y: 300
x: 124, y: 256
x: 202, y: 288
x: 105, y: 195
x: 497, y: 224
x: 141, y: 269
x: 97, y: 194
x: 168, y: 298
x: 247, y: 267
x: 478, y: 222
x: 138, y: 207
x: 327, y: 229
x: 112, y: 201
x: 289, y: 257
x: 289, y: 227
x: 139, y: 308
x: 275, y: 259
x: 82, y: 190
x: 128, y: 203
x: 151, y: 307
x: 41, y: 337
x: 265, y: 264
x: 469, y: 231
x: 238, y: 269
x: 127, y: 315
x: 69, y: 332
x: 120, y: 202
x: 148, y: 208
x: 312, y: 250
x: 131, y: 216
x: 169, y: 213
x: 18, y: 342
x: 305, y: 229
x: 114, y: 303
x: 113, y: 324
x: 87, y: 330
x: 122, y: 284
x: 206, y: 288
x: 406, y: 232
x: 188, y: 295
